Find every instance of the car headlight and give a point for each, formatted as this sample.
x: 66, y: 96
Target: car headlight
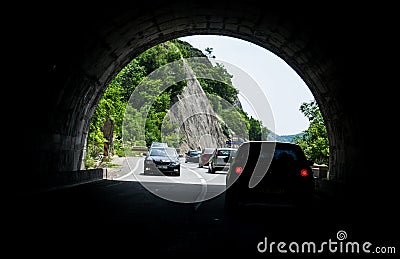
x: 149, y: 161
x: 174, y: 163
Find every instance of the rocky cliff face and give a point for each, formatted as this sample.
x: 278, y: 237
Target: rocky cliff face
x: 198, y: 124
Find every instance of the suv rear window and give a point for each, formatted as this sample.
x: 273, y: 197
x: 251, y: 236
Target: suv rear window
x: 280, y: 154
x: 270, y: 151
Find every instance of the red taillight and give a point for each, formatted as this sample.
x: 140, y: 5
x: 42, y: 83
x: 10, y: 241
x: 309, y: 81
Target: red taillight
x: 304, y: 172
x: 238, y: 169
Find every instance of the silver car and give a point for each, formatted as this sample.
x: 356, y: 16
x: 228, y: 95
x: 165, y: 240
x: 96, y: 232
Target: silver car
x: 220, y: 159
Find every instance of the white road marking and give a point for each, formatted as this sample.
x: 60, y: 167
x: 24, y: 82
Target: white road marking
x: 203, y: 181
x: 131, y: 172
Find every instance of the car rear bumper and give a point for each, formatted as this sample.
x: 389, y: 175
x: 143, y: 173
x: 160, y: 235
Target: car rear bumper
x: 192, y: 159
x: 270, y: 195
x: 221, y: 168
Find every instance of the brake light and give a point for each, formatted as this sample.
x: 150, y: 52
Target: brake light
x: 304, y: 172
x: 238, y: 170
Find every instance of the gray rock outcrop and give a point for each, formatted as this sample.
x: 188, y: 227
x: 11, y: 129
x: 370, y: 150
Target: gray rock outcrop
x: 198, y: 124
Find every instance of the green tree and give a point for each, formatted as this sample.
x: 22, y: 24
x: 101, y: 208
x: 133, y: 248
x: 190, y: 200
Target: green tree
x: 255, y: 129
x: 235, y: 122
x: 314, y: 140
x: 264, y: 133
x: 209, y: 51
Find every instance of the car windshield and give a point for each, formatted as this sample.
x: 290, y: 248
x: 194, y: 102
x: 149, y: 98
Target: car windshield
x: 193, y: 153
x: 208, y: 151
x: 169, y: 152
x: 159, y: 144
x: 225, y: 152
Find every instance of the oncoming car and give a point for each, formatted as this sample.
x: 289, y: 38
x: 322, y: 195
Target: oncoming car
x: 162, y: 160
x: 269, y: 172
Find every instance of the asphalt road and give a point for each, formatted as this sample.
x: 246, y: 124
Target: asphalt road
x: 193, y: 185
x: 130, y: 216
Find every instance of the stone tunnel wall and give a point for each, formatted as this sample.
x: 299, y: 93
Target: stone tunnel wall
x: 76, y: 52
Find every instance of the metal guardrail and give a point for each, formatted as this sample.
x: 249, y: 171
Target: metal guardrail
x: 320, y: 171
x: 140, y: 148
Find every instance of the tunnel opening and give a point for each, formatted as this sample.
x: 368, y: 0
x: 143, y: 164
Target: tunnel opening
x: 160, y: 58
x: 288, y: 38
x: 77, y: 58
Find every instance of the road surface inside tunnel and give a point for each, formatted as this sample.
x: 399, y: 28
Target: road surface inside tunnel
x: 116, y: 216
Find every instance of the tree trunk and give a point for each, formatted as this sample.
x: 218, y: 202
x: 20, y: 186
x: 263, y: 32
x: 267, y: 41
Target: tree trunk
x: 108, y: 132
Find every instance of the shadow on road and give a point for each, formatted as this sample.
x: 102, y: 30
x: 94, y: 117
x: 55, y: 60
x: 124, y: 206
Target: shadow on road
x: 119, y: 216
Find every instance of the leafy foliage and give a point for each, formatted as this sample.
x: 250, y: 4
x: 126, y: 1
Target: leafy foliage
x: 113, y: 103
x: 314, y: 140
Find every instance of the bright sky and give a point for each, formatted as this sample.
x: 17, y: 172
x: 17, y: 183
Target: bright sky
x: 283, y: 88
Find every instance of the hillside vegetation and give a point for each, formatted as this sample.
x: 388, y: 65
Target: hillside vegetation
x: 113, y: 104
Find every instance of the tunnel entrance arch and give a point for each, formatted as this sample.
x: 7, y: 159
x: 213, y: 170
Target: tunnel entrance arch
x: 80, y: 56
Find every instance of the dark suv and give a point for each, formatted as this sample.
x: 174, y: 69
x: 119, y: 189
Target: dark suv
x: 269, y: 172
